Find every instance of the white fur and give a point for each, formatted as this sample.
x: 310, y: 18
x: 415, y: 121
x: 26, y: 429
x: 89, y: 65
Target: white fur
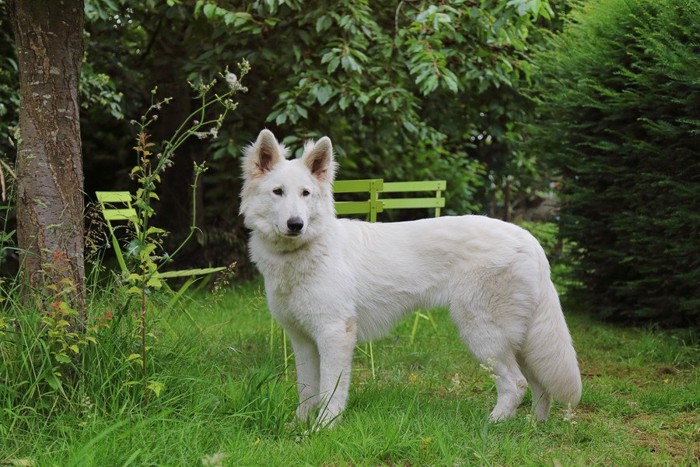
x: 336, y: 282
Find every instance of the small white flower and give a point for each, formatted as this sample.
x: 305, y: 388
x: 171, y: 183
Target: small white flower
x: 569, y: 415
x: 232, y: 79
x: 214, y: 460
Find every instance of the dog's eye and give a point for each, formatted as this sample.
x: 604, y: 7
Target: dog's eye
x: 305, y: 193
x: 278, y: 191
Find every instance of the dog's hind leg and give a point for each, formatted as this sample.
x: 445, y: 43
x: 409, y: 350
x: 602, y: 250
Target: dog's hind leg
x: 492, y: 348
x: 307, y: 365
x: 510, y: 386
x: 541, y: 399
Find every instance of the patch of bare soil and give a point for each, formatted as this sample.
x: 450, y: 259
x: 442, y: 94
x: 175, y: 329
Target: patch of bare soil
x: 679, y: 438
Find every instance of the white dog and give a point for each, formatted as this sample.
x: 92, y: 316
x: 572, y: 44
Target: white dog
x: 333, y: 282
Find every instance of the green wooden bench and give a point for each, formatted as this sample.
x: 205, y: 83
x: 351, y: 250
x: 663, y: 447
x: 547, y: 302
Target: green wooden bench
x: 116, y: 207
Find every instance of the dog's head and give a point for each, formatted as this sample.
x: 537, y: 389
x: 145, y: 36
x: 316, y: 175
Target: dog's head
x: 287, y: 201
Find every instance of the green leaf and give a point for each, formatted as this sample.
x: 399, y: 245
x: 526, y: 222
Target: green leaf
x: 302, y: 111
x: 209, y: 10
x: 132, y: 357
x: 154, y: 230
x: 134, y: 246
x: 409, y: 126
x: 156, y: 386
x: 147, y: 249
x: 349, y: 64
x: 53, y: 381
x: 323, y: 94
x: 431, y: 83
x: 323, y: 23
x: 62, y: 358
x: 333, y: 64
x: 450, y: 81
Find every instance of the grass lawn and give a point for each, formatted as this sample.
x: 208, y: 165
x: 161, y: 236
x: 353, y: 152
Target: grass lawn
x: 225, y: 399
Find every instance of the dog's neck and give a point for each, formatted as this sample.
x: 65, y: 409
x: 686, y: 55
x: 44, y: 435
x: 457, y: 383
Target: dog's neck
x: 286, y: 268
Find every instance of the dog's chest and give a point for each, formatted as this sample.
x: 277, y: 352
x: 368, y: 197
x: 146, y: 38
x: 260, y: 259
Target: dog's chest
x: 292, y: 295
x: 283, y: 279
x: 287, y: 273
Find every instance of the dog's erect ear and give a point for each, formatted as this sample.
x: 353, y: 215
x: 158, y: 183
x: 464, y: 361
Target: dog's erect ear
x: 263, y: 155
x: 318, y: 157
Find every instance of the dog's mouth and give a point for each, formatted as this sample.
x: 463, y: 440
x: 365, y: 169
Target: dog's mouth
x: 287, y: 233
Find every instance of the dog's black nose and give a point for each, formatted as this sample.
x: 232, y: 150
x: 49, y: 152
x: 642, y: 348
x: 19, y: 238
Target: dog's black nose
x: 295, y: 224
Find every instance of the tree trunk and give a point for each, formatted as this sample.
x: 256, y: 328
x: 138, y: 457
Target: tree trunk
x: 49, y: 43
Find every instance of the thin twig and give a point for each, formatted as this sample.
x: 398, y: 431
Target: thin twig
x: 2, y: 178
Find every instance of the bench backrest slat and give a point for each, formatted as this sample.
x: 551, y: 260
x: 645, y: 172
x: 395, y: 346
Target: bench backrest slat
x: 371, y: 206
x: 436, y: 202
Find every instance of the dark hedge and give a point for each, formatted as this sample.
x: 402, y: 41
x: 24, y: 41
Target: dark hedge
x: 619, y: 116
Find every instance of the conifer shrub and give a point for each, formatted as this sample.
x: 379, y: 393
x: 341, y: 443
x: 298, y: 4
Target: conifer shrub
x: 619, y: 117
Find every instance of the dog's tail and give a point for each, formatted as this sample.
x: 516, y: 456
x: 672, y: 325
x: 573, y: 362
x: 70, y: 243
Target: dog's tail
x: 549, y: 352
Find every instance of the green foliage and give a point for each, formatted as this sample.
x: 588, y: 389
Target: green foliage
x: 414, y: 90
x: 7, y: 235
x: 619, y: 97
x: 9, y: 87
x: 9, y: 111
x: 42, y: 350
x: 408, y: 91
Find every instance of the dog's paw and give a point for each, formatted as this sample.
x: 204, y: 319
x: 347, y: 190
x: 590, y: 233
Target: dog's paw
x: 498, y: 415
x: 325, y: 421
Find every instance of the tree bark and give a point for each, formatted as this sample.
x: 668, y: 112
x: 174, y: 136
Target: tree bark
x: 49, y: 43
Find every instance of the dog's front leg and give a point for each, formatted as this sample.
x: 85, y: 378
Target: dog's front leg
x: 335, y: 345
x: 307, y: 364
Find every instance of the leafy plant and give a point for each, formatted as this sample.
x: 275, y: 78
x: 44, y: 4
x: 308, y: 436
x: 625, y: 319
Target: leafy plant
x: 7, y: 236
x: 42, y: 344
x: 146, y: 247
